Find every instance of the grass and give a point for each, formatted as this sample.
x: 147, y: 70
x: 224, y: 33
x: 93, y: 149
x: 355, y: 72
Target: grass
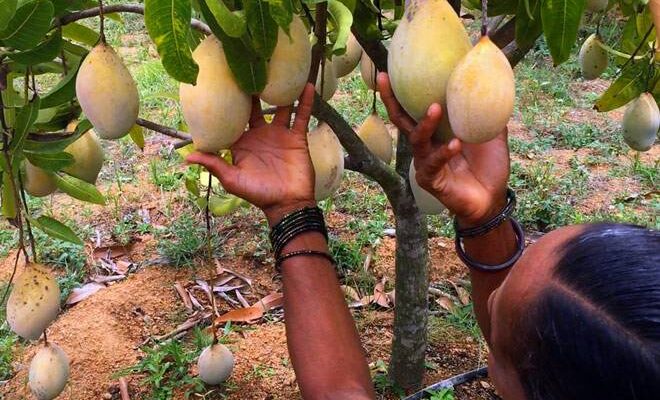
x: 441, y: 394
x: 8, y: 341
x: 457, y: 323
x: 184, y: 240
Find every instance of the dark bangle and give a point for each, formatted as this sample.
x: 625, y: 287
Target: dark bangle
x: 304, y: 220
x: 520, y: 247
x: 316, y: 253
x: 493, y: 222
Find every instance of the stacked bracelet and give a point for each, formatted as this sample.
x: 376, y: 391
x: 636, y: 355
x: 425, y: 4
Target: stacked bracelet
x: 493, y: 223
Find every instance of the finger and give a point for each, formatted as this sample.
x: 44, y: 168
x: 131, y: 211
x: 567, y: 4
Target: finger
x: 257, y: 117
x: 421, y: 135
x: 397, y: 115
x: 226, y: 173
x: 283, y: 116
x: 304, y: 112
x: 441, y: 156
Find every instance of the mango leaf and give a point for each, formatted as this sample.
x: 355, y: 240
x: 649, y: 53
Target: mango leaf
x: 7, y: 10
x: 137, y: 135
x: 80, y: 33
x: 221, y: 205
x: 25, y: 118
x: 45, y: 51
x: 79, y: 189
x: 55, y: 229
x: 58, y: 143
x: 366, y: 22
x: 29, y: 25
x: 248, y: 69
x: 64, y: 91
x: 168, y: 24
x: 528, y: 28
x: 64, y: 113
x: 282, y: 13
x: 627, y: 87
x: 343, y: 20
x: 500, y: 7
x: 49, y: 161
x: 233, y: 23
x: 262, y: 27
x: 561, y: 20
x: 8, y: 199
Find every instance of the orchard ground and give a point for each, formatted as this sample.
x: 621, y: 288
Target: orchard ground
x: 570, y: 165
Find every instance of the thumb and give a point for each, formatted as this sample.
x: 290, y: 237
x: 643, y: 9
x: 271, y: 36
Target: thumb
x: 217, y: 166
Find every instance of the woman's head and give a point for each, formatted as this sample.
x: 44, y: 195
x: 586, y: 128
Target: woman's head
x: 579, y: 317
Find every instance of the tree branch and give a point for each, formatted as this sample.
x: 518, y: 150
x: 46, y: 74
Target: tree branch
x: 505, y: 34
x: 320, y: 29
x: 515, y: 54
x: 165, y: 130
x: 126, y: 8
x: 374, y: 49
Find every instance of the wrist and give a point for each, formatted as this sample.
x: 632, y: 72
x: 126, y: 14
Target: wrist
x: 480, y: 218
x: 274, y: 214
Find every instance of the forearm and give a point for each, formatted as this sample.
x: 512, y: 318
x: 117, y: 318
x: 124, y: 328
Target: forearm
x: 322, y: 339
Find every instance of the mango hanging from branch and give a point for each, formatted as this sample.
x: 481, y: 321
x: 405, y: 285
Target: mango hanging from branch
x: 593, y: 58
x: 641, y: 122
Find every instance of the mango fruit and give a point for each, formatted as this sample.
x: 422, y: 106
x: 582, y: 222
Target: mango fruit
x: 426, y: 202
x: 37, y: 182
x: 288, y: 66
x: 328, y: 160
x: 107, y: 93
x: 216, y: 109
x: 329, y: 83
x: 49, y: 372
x: 593, y: 58
x: 88, y: 157
x: 426, y: 47
x: 641, y: 122
x: 346, y: 63
x: 596, y: 5
x: 480, y: 93
x: 34, y: 302
x: 368, y: 71
x: 215, y: 364
x: 378, y: 139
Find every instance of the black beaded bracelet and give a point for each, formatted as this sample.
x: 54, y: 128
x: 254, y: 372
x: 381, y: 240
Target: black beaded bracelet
x: 315, y: 253
x: 492, y: 223
x: 520, y: 247
x: 303, y: 220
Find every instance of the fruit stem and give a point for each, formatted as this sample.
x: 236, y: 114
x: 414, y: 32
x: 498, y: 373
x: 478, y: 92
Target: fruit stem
x: 616, y: 52
x: 102, y: 23
x: 28, y: 225
x: 207, y: 217
x: 484, y: 18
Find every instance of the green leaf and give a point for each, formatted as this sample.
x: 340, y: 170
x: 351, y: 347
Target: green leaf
x: 561, y: 20
x: 79, y: 189
x: 50, y: 161
x: 168, y: 24
x: 528, y: 29
x: 366, y: 22
x: 45, y: 51
x: 8, y: 199
x: 59, y: 142
x: 25, y: 118
x: 49, y: 121
x: 248, y: 69
x: 282, y: 13
x: 55, y: 229
x: 343, y: 20
x: 233, y: 23
x: 628, y: 86
x: 29, y: 25
x: 64, y: 91
x: 262, y: 27
x: 221, y: 205
x: 7, y: 10
x: 137, y: 135
x: 80, y: 33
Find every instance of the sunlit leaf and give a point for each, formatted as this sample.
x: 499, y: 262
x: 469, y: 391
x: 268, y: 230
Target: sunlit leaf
x: 55, y: 229
x: 79, y: 189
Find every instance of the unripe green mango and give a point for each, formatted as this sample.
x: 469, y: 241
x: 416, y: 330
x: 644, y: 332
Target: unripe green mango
x: 34, y: 302
x: 215, y: 364
x: 346, y: 63
x: 480, y: 93
x: 378, y: 139
x: 329, y: 84
x: 288, y: 67
x: 107, y: 93
x: 368, y: 71
x: 37, y: 182
x: 593, y: 58
x: 426, y: 202
x: 426, y: 47
x: 49, y: 372
x: 328, y: 160
x: 641, y: 122
x: 216, y: 109
x: 88, y: 157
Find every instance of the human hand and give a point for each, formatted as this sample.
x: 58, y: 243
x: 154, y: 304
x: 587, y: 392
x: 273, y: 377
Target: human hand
x: 469, y: 179
x: 272, y: 168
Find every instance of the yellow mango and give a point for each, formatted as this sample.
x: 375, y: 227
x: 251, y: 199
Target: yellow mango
x: 641, y: 122
x: 480, y: 93
x: 346, y: 63
x: 426, y: 47
x: 215, y: 364
x: 216, y: 109
x: 88, y: 157
x: 37, y: 182
x: 329, y: 84
x: 49, y: 372
x: 593, y: 58
x: 288, y: 67
x: 426, y: 202
x: 368, y: 71
x: 107, y: 93
x: 378, y: 139
x: 328, y: 160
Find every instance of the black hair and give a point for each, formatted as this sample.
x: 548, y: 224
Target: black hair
x: 594, y: 332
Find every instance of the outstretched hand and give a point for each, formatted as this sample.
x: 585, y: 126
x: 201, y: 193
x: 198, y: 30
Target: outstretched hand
x: 469, y: 179
x: 271, y: 164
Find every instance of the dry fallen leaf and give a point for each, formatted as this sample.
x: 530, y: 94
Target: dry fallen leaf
x: 183, y: 293
x: 110, y: 252
x: 81, y: 293
x: 122, y: 266
x: 273, y: 300
x: 350, y: 293
x: 446, y: 303
x: 392, y: 296
x: 248, y: 314
x: 463, y: 295
x: 240, y: 276
x: 379, y: 296
x: 241, y: 299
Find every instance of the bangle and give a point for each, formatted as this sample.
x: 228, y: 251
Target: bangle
x: 300, y: 221
x: 520, y: 247
x: 316, y: 253
x: 493, y: 222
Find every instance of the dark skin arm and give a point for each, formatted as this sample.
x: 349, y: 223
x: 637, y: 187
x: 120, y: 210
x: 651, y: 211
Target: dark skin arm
x: 471, y: 181
x: 273, y: 171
